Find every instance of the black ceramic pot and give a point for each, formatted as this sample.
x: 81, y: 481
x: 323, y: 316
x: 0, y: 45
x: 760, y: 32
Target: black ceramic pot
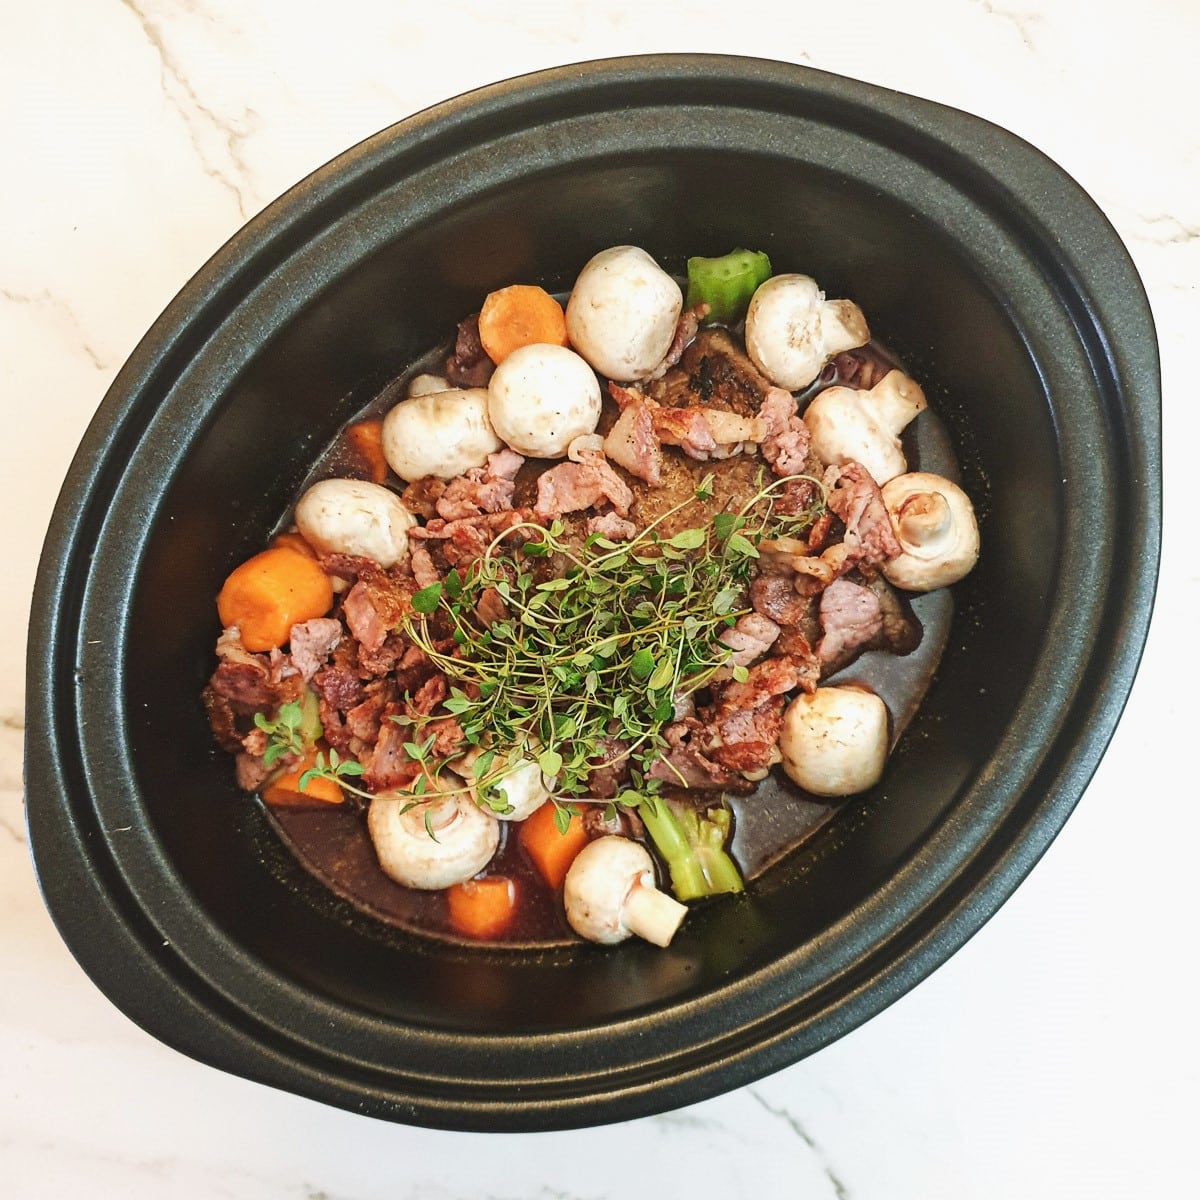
x: 977, y: 259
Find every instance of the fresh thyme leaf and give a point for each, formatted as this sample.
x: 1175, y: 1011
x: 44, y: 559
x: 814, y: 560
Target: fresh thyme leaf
x: 428, y: 598
x: 641, y: 665
x: 741, y: 546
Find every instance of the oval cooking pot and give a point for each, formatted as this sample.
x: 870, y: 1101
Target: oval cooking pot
x: 975, y: 258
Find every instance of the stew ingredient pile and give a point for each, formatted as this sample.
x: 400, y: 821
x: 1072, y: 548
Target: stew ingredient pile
x: 586, y: 582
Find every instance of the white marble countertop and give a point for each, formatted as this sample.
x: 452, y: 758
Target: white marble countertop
x: 1055, y: 1055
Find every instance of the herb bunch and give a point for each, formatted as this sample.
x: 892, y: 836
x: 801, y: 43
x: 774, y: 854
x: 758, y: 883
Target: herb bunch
x: 599, y: 653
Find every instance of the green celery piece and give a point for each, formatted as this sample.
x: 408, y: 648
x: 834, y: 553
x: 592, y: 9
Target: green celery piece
x: 311, y: 729
x: 726, y: 283
x: 693, y: 847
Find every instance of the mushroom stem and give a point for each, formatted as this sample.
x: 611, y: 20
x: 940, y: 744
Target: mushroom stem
x: 652, y: 914
x: 923, y: 517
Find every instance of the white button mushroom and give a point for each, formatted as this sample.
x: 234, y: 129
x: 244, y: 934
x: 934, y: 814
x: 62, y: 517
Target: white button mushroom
x: 439, y: 433
x: 857, y: 425
x: 834, y: 742
x: 351, y: 516
x: 622, y: 313
x: 541, y: 398
x: 609, y: 894
x: 525, y: 788
x: 424, y: 384
x: 433, y: 844
x: 935, y: 523
x: 792, y: 331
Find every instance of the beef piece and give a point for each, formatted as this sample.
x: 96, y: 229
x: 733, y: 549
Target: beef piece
x: 251, y: 771
x: 611, y: 526
x: 363, y: 721
x: 862, y: 367
x: 428, y: 696
x: 859, y: 616
x: 786, y: 445
x: 716, y: 372
x: 249, y: 688
x: 607, y: 820
x: 793, y: 644
x: 384, y: 659
x: 222, y: 720
x: 747, y: 717
x: 491, y: 608
x: 852, y: 621
x: 336, y: 732
x: 632, y: 442
x: 338, y: 685
x: 387, y: 765
x: 348, y: 566
x: 376, y: 604
x: 686, y: 428
x: 468, y: 365
x: 572, y: 486
x: 413, y: 669
x: 901, y: 629
x: 774, y: 596
x: 423, y: 568
x: 686, y: 765
x: 854, y: 497
x: 421, y: 496
x: 362, y: 618
x: 312, y: 642
x: 486, y: 489
x: 750, y: 638
x: 461, y: 542
x: 611, y: 770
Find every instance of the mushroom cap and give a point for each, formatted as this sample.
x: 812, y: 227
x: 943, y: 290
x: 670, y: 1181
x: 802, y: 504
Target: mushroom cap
x: 834, y: 742
x: 598, y: 883
x: 859, y: 425
x: 622, y: 313
x: 526, y: 790
x: 935, y: 524
x: 439, y: 433
x: 792, y: 330
x: 541, y: 398
x: 352, y: 516
x: 465, y: 838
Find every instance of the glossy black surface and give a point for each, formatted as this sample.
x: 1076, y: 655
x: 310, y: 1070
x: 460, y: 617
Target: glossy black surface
x: 975, y: 258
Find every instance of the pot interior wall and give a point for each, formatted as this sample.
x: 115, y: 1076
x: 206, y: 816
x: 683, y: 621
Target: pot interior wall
x: 359, y: 320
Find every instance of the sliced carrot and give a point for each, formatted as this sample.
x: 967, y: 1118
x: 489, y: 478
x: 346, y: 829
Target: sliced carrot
x: 482, y: 908
x: 270, y: 592
x: 284, y: 789
x: 365, y: 441
x: 520, y: 315
x: 552, y: 852
x: 293, y: 540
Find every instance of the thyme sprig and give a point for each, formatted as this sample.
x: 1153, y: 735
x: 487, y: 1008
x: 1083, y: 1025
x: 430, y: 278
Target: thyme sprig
x: 601, y: 652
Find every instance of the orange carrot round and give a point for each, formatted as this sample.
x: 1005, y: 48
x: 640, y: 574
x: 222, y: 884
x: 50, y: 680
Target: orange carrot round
x: 293, y: 540
x: 284, y: 789
x: 520, y: 315
x: 482, y: 908
x: 270, y: 592
x: 552, y: 851
x: 365, y: 441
